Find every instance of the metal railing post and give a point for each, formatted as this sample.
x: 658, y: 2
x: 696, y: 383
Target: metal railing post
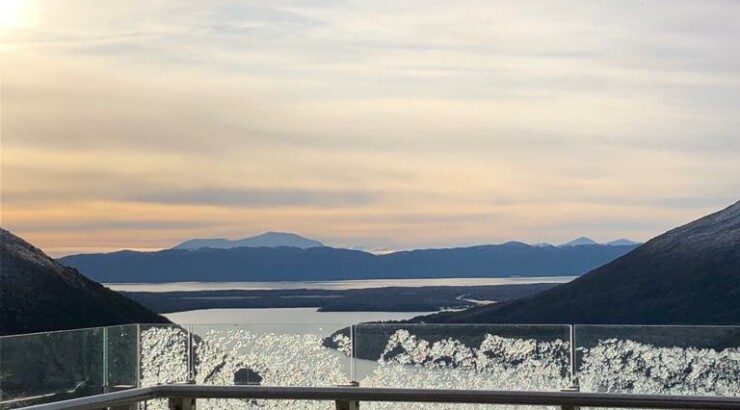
x: 132, y: 406
x: 573, y: 389
x: 574, y: 386
x: 181, y: 403
x: 348, y: 404
x: 138, y: 355
x: 191, y: 356
x: 573, y: 369
x: 352, y: 368
x: 106, y: 359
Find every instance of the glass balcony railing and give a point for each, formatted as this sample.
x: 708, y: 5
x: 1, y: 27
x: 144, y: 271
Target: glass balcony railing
x: 678, y: 360
x: 51, y: 366
x: 490, y: 357
x: 670, y: 360
x: 121, y: 357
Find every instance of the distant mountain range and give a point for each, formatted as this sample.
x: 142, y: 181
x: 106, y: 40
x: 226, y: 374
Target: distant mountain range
x: 580, y: 241
x: 267, y: 239
x: 623, y: 242
x: 278, y: 239
x: 588, y: 241
x: 324, y: 263
x: 38, y: 294
x: 689, y: 275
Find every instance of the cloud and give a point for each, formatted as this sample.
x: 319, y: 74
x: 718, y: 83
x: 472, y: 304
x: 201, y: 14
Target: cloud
x: 412, y: 123
x: 106, y: 226
x: 257, y: 197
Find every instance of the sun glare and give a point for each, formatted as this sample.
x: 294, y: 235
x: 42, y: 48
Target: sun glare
x: 15, y: 13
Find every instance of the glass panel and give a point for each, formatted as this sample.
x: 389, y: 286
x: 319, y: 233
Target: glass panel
x: 684, y: 360
x: 275, y: 355
x: 501, y: 357
x: 45, y: 367
x: 164, y: 354
x: 123, y: 357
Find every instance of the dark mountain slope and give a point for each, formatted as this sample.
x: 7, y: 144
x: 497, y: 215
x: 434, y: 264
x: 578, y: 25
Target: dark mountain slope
x: 689, y: 275
x: 289, y: 263
x: 38, y: 294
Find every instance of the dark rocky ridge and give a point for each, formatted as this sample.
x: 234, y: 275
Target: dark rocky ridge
x: 39, y: 294
x: 689, y: 275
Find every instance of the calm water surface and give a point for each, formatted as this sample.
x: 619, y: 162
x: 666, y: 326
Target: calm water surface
x: 332, y: 285
x: 288, y: 321
x: 283, y: 316
x: 309, y: 316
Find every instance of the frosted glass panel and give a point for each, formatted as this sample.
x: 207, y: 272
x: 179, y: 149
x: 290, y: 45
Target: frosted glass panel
x: 271, y: 355
x: 684, y: 360
x: 463, y: 356
x: 164, y: 354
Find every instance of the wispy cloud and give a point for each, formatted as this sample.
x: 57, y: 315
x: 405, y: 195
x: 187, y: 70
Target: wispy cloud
x: 386, y: 125
x: 258, y: 197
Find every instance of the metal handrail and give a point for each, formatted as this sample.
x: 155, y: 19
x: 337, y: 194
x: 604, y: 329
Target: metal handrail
x: 562, y: 399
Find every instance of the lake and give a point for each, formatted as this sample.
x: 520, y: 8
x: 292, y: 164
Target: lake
x: 309, y: 316
x: 332, y: 285
x: 284, y: 317
x: 282, y: 323
x: 301, y: 321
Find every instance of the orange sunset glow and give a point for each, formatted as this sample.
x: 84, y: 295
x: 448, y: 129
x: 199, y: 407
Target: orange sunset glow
x: 381, y: 126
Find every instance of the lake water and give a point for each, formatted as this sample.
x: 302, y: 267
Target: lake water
x: 309, y: 316
x: 332, y: 285
x: 292, y: 321
x: 306, y: 320
x: 284, y: 317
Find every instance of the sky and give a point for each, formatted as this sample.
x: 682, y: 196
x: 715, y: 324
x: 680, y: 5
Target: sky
x: 379, y: 125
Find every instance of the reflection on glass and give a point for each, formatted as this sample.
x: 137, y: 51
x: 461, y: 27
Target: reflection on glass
x: 274, y: 355
x: 51, y: 366
x: 683, y: 360
x: 123, y: 357
x: 164, y: 354
x: 499, y: 357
